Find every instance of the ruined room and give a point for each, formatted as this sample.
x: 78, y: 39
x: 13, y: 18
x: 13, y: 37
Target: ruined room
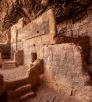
x: 45, y: 50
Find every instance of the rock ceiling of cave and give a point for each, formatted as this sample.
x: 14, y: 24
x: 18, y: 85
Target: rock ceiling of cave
x: 12, y: 10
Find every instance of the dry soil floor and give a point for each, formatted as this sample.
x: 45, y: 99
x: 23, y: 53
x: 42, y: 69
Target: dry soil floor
x: 47, y: 94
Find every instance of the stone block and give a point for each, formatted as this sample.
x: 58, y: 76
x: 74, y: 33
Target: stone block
x: 20, y: 91
x: 35, y: 71
x: 19, y: 57
x: 63, y: 67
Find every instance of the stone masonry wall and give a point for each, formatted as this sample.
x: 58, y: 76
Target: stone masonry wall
x: 16, y: 35
x: 33, y: 36
x: 63, y: 67
x: 37, y: 34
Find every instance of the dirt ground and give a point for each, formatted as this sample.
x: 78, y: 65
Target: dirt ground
x: 43, y: 93
x: 47, y: 94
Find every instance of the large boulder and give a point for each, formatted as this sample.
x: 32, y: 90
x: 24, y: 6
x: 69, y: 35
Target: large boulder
x: 63, y: 67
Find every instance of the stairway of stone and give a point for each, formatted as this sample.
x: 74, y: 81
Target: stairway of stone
x: 20, y: 93
x: 18, y: 82
x: 9, y: 64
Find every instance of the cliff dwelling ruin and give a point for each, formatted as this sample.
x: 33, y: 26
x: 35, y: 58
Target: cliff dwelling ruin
x: 45, y: 51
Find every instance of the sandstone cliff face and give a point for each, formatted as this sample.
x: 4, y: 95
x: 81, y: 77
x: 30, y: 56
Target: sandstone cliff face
x: 12, y: 10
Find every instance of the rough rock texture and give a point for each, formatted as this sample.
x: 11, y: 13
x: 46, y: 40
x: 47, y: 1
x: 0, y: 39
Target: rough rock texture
x: 19, y: 57
x: 63, y: 63
x: 82, y: 41
x: 17, y: 38
x: 63, y: 67
x: 32, y: 37
x: 81, y: 25
x: 84, y: 93
x: 12, y: 10
x: 35, y: 71
x: 20, y: 80
x: 47, y: 94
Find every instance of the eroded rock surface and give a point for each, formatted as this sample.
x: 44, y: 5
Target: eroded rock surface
x: 12, y: 10
x: 47, y: 94
x: 63, y: 67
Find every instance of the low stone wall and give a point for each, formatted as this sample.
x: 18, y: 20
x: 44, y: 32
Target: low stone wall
x: 63, y: 67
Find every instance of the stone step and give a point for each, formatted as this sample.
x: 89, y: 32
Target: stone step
x: 16, y: 81
x: 20, y: 91
x: 23, y: 98
x: 13, y: 85
x: 10, y: 62
x: 9, y: 65
x: 26, y: 96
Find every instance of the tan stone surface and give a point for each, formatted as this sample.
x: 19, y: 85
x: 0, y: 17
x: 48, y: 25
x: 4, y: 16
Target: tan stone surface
x: 17, y: 36
x: 82, y: 27
x: 63, y: 67
x: 84, y: 93
x: 35, y: 71
x: 82, y: 41
x: 37, y: 34
x: 19, y: 57
x: 44, y: 24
